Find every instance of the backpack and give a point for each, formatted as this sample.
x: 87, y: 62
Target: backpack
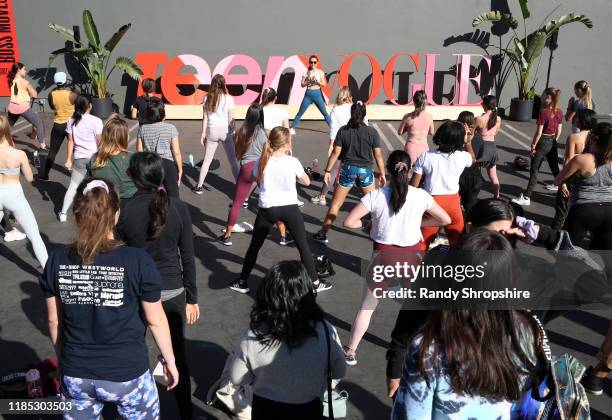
x: 323, y: 266
x: 559, y: 395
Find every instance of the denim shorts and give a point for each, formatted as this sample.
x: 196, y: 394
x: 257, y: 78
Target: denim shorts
x: 355, y: 175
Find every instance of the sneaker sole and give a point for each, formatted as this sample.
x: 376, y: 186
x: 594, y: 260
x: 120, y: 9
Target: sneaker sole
x: 285, y: 243
x: 321, y: 241
x: 197, y: 192
x: 593, y: 392
x: 243, y: 291
x: 324, y: 289
x: 351, y: 362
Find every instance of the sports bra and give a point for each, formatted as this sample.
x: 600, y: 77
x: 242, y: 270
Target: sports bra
x: 11, y: 171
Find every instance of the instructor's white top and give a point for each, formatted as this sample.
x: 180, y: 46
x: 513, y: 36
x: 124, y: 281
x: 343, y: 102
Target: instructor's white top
x: 441, y: 171
x: 277, y: 187
x: 403, y: 228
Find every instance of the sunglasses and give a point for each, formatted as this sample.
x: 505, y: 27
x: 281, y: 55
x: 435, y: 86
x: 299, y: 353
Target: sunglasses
x: 313, y: 62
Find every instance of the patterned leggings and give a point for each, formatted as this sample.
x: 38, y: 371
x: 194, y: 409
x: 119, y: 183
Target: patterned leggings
x: 135, y: 399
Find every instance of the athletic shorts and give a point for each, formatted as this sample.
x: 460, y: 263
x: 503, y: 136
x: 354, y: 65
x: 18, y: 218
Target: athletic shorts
x: 355, y: 175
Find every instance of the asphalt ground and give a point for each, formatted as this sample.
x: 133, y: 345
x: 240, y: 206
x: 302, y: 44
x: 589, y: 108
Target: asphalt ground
x: 23, y: 330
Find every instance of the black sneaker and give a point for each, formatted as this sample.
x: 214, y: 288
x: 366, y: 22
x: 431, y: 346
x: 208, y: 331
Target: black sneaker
x: 321, y: 286
x: 198, y: 190
x: 286, y: 240
x: 240, y: 286
x: 592, y: 383
x: 42, y: 178
x: 245, y: 205
x: 227, y: 241
x: 320, y: 237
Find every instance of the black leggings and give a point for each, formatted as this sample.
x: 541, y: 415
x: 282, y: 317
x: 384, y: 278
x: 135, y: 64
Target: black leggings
x: 175, y: 312
x: 58, y: 134
x: 171, y: 178
x: 265, y: 409
x: 561, y: 209
x: 470, y: 184
x: 593, y: 218
x: 291, y: 216
x: 545, y: 150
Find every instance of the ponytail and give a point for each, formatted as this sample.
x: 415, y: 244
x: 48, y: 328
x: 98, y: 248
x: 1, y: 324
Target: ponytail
x: 81, y: 106
x: 10, y: 77
x: 358, y: 113
x: 268, y: 96
x: 253, y: 119
x: 490, y: 102
x: 398, y: 165
x: 279, y: 137
x: 587, y: 92
x: 147, y: 172
x: 420, y: 102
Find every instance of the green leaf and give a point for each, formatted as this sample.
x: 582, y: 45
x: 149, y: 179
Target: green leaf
x: 130, y: 67
x: 114, y: 40
x: 495, y: 16
x: 65, y: 33
x: 524, y: 8
x: 537, y: 41
x: 90, y: 29
x: 553, y: 25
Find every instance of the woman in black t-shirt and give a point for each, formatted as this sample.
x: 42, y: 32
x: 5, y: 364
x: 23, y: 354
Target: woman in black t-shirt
x: 101, y: 296
x: 357, y: 146
x: 141, y: 105
x: 161, y: 224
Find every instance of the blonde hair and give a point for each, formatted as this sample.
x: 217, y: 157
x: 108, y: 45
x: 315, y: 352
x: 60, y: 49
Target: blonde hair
x: 344, y: 96
x: 279, y: 137
x: 587, y: 93
x: 5, y: 130
x: 555, y: 95
x: 114, y: 139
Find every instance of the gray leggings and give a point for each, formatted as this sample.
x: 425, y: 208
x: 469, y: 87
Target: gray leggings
x: 79, y: 170
x: 33, y: 118
x: 13, y: 200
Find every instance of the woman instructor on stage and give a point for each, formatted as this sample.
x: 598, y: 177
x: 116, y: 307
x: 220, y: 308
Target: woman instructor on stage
x: 313, y: 80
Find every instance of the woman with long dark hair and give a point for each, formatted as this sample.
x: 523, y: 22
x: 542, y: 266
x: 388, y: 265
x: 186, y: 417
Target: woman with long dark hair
x: 162, y: 138
x: 585, y: 120
x: 284, y: 353
x: 357, y: 146
x: 274, y: 115
x: 589, y: 174
x: 84, y: 132
x: 22, y: 93
x: 161, y: 224
x: 140, y: 108
x: 470, y: 181
x: 471, y: 363
x: 13, y: 163
x: 544, y: 144
x: 398, y: 211
x: 440, y: 171
x: 276, y: 173
x: 488, y: 125
x: 112, y: 159
x: 101, y: 298
x: 313, y: 80
x: 417, y: 125
x: 217, y: 126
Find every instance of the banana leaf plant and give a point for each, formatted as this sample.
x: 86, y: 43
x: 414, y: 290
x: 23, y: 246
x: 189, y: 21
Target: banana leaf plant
x: 95, y: 57
x: 523, y: 50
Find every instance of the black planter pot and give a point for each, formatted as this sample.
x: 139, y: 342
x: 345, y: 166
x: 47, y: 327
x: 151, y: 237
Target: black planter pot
x: 102, y: 107
x: 520, y: 110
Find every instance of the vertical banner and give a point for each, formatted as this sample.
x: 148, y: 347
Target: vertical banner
x: 9, y: 52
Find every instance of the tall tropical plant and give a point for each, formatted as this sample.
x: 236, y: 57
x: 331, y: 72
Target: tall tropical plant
x: 524, y: 49
x: 95, y: 57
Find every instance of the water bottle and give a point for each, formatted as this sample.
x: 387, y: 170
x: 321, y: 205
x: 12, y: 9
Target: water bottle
x: 36, y: 159
x: 315, y: 164
x: 190, y: 160
x: 34, y: 384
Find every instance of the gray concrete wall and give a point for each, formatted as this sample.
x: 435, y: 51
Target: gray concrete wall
x: 214, y: 30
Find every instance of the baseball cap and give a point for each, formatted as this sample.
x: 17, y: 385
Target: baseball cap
x: 59, y: 78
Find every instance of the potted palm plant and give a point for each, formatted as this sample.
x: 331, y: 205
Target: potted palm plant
x: 524, y: 52
x: 95, y: 60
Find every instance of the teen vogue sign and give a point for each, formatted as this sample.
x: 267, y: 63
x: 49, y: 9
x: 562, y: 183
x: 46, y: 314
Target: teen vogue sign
x: 175, y: 72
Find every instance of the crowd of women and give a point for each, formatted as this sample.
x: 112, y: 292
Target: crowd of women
x: 131, y: 266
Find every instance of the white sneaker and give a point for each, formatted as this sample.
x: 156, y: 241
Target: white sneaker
x: 14, y: 235
x: 552, y: 187
x: 292, y: 131
x: 522, y: 200
x: 300, y: 203
x: 63, y: 217
x: 242, y: 227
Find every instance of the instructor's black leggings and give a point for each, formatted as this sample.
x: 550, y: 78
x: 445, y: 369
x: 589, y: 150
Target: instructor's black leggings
x: 291, y: 216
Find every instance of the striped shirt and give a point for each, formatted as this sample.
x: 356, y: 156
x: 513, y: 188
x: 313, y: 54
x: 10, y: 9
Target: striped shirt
x: 157, y: 137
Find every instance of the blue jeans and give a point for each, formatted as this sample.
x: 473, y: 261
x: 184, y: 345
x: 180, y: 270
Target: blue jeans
x: 311, y: 96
